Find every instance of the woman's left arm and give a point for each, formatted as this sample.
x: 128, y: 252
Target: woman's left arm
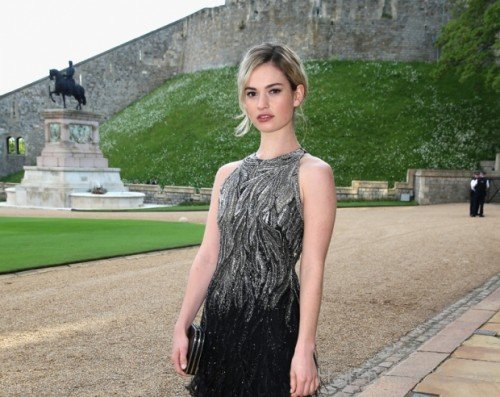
x: 319, y: 208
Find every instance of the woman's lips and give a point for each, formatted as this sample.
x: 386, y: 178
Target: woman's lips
x: 264, y: 117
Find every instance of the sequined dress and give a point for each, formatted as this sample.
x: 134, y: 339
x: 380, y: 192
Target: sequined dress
x: 251, y: 311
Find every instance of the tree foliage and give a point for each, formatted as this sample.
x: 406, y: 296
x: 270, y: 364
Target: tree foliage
x: 470, y: 43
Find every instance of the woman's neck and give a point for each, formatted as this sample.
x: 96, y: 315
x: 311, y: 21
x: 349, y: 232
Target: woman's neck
x: 274, y: 144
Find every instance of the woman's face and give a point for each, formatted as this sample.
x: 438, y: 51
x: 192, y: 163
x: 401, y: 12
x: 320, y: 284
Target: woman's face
x: 269, y: 100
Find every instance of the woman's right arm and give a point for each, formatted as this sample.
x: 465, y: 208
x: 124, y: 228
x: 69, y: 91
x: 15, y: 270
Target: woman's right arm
x: 200, y: 275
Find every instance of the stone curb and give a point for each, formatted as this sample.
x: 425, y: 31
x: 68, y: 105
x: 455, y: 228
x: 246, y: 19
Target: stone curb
x: 353, y: 382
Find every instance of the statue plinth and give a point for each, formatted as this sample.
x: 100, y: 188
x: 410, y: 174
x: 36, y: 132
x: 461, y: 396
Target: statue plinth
x: 70, y: 166
x: 71, y: 140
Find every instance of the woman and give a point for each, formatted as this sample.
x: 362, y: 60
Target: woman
x: 266, y: 210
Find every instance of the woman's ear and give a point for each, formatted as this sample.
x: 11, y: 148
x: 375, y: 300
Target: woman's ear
x: 298, y: 95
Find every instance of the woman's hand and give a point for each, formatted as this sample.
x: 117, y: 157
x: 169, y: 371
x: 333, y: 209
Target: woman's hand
x: 179, y: 350
x: 304, y: 379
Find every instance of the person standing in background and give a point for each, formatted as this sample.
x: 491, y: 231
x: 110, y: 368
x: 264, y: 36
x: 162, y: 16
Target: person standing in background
x: 481, y: 188
x: 473, y: 195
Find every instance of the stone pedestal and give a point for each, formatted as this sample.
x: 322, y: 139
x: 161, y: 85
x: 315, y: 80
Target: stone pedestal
x: 71, y: 163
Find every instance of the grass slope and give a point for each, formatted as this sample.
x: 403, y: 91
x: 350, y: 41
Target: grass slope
x: 368, y: 120
x: 28, y: 243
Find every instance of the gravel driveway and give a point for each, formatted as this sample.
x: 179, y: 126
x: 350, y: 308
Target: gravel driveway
x: 103, y: 328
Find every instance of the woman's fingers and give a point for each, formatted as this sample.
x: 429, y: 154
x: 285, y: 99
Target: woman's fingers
x: 179, y: 353
x: 293, y: 383
x: 176, y: 361
x: 183, y: 359
x: 303, y: 388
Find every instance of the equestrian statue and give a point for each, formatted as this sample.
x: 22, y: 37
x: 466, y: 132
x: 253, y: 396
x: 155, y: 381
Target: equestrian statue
x: 66, y: 86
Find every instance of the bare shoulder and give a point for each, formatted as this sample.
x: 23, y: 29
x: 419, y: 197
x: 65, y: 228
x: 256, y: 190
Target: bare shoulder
x: 315, y: 179
x: 313, y: 168
x: 226, y: 169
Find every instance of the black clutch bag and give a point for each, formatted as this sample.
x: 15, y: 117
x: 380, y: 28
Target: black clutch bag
x: 196, y: 338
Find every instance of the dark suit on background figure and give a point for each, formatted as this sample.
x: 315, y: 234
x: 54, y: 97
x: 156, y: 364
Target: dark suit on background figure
x: 473, y: 195
x: 479, y: 188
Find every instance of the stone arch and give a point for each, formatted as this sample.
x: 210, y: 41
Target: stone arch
x: 16, y: 145
x: 21, y: 146
x: 11, y: 145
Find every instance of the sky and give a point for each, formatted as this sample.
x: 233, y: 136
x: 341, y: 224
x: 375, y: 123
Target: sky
x: 38, y: 35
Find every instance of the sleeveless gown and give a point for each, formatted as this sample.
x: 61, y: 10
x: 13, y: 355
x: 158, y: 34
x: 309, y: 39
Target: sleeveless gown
x: 251, y: 311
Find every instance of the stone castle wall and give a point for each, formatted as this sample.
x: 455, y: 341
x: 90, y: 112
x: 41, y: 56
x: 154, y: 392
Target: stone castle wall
x: 355, y: 29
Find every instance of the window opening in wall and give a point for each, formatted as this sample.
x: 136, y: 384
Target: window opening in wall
x: 387, y: 11
x: 11, y: 145
x: 21, y: 146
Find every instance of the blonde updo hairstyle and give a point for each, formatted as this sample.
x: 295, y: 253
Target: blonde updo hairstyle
x: 281, y: 56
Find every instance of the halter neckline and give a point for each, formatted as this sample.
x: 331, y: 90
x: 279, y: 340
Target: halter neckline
x: 284, y: 155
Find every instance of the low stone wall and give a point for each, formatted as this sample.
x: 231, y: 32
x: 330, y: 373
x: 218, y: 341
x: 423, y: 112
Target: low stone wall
x: 424, y: 186
x: 450, y: 186
x: 442, y: 186
x: 377, y: 190
x: 359, y: 190
x: 155, y: 194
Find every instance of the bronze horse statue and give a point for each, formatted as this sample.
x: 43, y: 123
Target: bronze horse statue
x: 67, y: 87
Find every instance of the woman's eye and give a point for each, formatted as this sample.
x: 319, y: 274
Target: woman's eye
x: 251, y: 94
x: 275, y: 91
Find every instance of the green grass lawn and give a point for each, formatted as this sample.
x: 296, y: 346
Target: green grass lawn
x: 27, y: 243
x: 13, y: 178
x: 369, y: 120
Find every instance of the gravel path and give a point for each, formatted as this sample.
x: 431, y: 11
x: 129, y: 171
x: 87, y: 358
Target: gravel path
x: 103, y: 328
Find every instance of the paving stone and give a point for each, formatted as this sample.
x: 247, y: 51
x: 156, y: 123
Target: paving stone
x: 395, y: 358
x: 444, y: 386
x: 492, y: 327
x: 470, y: 369
x: 485, y: 332
x: 369, y: 375
x: 475, y: 315
x: 483, y: 341
x: 386, y: 364
x: 360, y: 382
x: 328, y: 390
x: 339, y: 383
x: 477, y: 353
x: 418, y: 365
x: 495, y: 318
x: 449, y: 338
x: 389, y: 386
x: 351, y: 389
x: 492, y: 302
x: 342, y: 394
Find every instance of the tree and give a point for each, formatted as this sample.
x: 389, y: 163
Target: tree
x: 470, y: 43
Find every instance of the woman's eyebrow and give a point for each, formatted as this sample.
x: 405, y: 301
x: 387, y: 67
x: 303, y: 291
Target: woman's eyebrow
x: 267, y: 86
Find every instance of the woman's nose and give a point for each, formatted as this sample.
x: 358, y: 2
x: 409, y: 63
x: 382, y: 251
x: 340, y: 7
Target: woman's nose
x: 262, y: 102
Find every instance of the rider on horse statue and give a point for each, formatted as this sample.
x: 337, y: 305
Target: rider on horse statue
x: 69, y: 72
x: 66, y: 86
